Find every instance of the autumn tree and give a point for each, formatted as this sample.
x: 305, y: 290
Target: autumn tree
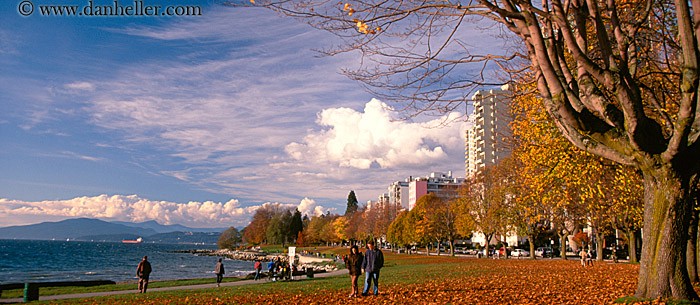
x: 482, y: 198
x: 229, y: 238
x: 397, y: 233
x: 627, y: 194
x: 628, y: 94
x: 256, y: 231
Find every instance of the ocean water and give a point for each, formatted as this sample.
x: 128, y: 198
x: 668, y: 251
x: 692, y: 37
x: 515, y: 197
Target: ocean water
x: 44, y: 260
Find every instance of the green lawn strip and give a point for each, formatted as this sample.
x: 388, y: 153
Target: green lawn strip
x: 45, y: 291
x: 399, y: 270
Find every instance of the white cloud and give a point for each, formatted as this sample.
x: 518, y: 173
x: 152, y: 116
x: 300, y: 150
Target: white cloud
x: 132, y: 208
x: 358, y: 140
x: 309, y: 207
x: 80, y: 86
x: 135, y: 209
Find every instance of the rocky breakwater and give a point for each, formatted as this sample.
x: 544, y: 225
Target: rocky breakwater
x: 303, y: 262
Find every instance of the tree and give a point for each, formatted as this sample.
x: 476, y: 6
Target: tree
x: 256, y: 231
x: 278, y: 228
x: 296, y: 225
x: 483, y: 198
x: 229, y: 238
x: 352, y: 203
x: 619, y: 79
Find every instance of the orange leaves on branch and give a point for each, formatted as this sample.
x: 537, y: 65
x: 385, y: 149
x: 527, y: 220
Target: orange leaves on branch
x: 362, y: 27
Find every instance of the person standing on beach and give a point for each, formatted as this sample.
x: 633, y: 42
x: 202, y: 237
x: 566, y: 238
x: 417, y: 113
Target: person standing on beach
x: 354, y: 264
x: 143, y: 271
x: 372, y: 262
x: 219, y: 272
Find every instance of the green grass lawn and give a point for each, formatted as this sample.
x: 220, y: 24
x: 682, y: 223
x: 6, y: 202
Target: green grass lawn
x: 44, y: 291
x: 398, y: 270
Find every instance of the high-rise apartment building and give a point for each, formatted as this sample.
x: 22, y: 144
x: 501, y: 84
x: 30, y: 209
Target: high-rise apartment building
x: 486, y: 138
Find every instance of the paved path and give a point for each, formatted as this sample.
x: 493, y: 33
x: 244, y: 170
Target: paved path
x: 213, y: 285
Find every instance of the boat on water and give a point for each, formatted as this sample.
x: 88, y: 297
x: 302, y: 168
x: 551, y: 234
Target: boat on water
x: 137, y: 241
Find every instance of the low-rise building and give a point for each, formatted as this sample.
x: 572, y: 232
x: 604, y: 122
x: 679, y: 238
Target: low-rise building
x: 438, y: 183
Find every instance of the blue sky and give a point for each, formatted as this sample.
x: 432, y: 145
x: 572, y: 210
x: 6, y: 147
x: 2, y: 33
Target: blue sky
x: 193, y: 120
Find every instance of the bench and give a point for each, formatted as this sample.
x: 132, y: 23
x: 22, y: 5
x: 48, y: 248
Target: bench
x: 31, y: 290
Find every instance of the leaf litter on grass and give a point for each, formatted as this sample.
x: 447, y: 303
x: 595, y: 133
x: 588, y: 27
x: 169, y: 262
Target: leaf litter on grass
x: 468, y: 281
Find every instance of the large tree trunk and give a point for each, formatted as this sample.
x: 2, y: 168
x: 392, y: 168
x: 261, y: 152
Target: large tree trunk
x: 632, y: 246
x: 599, y: 245
x: 691, y: 252
x: 452, y: 247
x: 562, y: 243
x: 438, y: 248
x: 531, y: 239
x: 663, y: 272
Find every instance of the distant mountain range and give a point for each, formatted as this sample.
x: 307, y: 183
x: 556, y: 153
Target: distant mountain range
x: 95, y: 229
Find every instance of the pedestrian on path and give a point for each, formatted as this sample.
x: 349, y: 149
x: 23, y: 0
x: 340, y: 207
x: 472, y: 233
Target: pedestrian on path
x: 258, y: 268
x: 353, y: 263
x: 589, y: 258
x: 583, y: 255
x: 371, y: 264
x: 219, y: 272
x: 143, y: 271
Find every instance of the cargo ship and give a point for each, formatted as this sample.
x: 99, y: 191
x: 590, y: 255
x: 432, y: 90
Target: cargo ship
x: 137, y: 241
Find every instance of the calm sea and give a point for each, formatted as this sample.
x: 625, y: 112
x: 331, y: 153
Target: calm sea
x: 45, y: 260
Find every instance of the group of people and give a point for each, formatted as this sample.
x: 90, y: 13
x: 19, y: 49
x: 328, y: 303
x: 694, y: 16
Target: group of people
x: 586, y: 257
x: 370, y: 263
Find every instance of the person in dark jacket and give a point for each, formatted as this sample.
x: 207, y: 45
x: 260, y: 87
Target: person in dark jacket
x: 371, y: 264
x: 219, y: 272
x: 143, y: 271
x: 354, y: 264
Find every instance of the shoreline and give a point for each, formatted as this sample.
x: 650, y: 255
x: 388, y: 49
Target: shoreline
x: 303, y: 262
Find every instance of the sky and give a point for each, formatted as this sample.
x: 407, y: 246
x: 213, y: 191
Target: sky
x: 194, y: 120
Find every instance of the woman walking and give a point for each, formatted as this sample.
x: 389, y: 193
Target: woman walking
x: 354, y: 264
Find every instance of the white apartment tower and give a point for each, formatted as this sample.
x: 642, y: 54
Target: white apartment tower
x: 398, y: 193
x: 490, y: 127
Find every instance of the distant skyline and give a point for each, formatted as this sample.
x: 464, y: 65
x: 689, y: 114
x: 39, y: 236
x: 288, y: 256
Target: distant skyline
x: 195, y: 120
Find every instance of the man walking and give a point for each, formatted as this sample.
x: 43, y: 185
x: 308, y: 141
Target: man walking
x: 143, y: 271
x: 219, y: 273
x: 372, y: 262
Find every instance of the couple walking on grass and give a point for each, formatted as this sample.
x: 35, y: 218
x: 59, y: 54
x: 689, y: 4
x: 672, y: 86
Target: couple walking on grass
x: 370, y: 263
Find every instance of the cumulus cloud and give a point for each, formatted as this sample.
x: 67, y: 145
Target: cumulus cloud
x: 361, y: 139
x: 309, y: 207
x: 135, y: 209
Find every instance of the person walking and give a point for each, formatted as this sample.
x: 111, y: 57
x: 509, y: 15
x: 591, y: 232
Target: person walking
x: 258, y: 268
x: 589, y: 257
x: 354, y: 264
x: 271, y: 269
x: 219, y: 272
x: 371, y: 264
x: 583, y: 254
x: 143, y: 271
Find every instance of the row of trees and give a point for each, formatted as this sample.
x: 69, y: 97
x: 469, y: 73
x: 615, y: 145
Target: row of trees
x: 619, y: 79
x: 274, y: 224
x: 546, y: 186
